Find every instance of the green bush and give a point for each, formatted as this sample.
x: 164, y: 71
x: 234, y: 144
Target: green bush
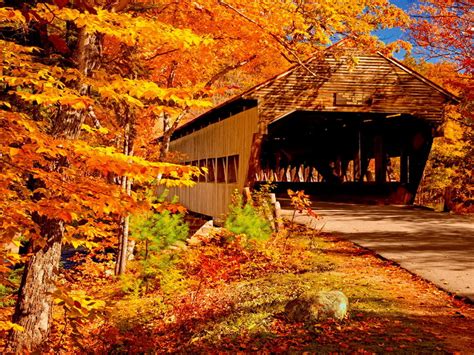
x: 155, y: 233
x: 245, y: 219
x: 159, y: 230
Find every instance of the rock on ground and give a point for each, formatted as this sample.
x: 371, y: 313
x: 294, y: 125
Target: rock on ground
x: 311, y: 307
x: 205, y: 233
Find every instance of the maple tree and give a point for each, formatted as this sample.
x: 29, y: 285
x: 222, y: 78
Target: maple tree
x: 443, y: 31
x: 54, y: 184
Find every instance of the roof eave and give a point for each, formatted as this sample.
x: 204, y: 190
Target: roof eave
x: 451, y: 96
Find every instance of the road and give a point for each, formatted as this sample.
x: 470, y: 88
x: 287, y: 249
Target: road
x: 436, y: 246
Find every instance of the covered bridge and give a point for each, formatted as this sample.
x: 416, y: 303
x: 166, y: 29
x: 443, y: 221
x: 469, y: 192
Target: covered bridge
x: 349, y: 126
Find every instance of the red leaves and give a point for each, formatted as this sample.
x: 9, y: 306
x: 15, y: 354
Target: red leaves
x: 59, y: 44
x: 61, y: 3
x: 301, y: 202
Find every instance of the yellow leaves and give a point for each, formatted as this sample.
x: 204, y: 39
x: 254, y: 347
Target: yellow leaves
x: 11, y: 49
x: 53, y: 96
x: 78, y: 242
x: 77, y: 303
x: 13, y: 258
x: 7, y: 326
x: 125, y: 27
x: 159, y: 109
x: 49, y: 151
x: 28, y: 125
x: 16, y: 242
x: 138, y: 93
x: 11, y: 17
x: 198, y: 103
x: 34, y: 75
x: 89, y: 129
x: 13, y: 151
x: 103, y: 130
x: 9, y: 257
x: 5, y: 104
x: 132, y: 101
x: 452, y: 131
x: 109, y: 160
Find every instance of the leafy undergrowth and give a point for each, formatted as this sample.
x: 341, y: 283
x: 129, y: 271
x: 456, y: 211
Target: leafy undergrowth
x: 229, y: 295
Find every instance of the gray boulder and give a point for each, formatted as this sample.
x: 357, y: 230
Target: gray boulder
x: 311, y: 307
x: 203, y: 234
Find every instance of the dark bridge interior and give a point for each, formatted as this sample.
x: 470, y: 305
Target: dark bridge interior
x: 351, y: 157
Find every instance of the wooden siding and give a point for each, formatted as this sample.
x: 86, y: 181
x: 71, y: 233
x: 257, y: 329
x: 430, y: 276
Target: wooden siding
x: 232, y: 136
x: 384, y: 86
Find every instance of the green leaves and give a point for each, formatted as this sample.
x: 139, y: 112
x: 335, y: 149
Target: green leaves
x: 160, y: 230
x: 244, y: 219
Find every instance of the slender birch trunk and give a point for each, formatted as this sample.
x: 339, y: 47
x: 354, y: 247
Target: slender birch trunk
x: 123, y: 240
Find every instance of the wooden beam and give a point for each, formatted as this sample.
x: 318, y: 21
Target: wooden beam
x: 357, y: 157
x: 421, y: 146
x: 254, y: 160
x: 380, y: 161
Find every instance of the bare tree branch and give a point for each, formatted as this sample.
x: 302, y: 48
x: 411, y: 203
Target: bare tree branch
x: 172, y: 74
x: 161, y: 53
x: 228, y: 69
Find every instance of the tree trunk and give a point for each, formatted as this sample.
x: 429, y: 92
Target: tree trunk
x: 87, y: 57
x: 123, y: 242
x: 168, y: 130
x: 122, y: 255
x: 34, y: 305
x: 167, y: 133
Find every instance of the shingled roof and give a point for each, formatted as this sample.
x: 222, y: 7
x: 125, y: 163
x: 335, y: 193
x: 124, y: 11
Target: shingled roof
x: 335, y: 81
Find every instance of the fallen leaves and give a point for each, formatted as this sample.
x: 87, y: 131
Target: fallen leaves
x: 228, y: 310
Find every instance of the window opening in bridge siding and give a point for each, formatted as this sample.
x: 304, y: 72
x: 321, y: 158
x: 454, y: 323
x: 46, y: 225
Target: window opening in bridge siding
x: 211, y: 168
x: 315, y: 176
x: 369, y: 175
x: 348, y: 171
x: 232, y: 168
x: 221, y: 170
x: 393, y: 169
x: 202, y: 164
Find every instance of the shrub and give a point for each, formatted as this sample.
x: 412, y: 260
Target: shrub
x: 245, y: 219
x: 155, y: 232
x: 158, y: 231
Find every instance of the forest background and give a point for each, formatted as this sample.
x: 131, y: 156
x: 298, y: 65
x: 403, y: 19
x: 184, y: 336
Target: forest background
x: 89, y: 87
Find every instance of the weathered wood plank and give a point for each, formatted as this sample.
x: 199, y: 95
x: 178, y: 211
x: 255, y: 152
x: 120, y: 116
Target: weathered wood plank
x: 386, y: 86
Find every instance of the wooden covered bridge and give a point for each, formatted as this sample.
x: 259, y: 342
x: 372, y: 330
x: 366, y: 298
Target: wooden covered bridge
x: 349, y: 126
